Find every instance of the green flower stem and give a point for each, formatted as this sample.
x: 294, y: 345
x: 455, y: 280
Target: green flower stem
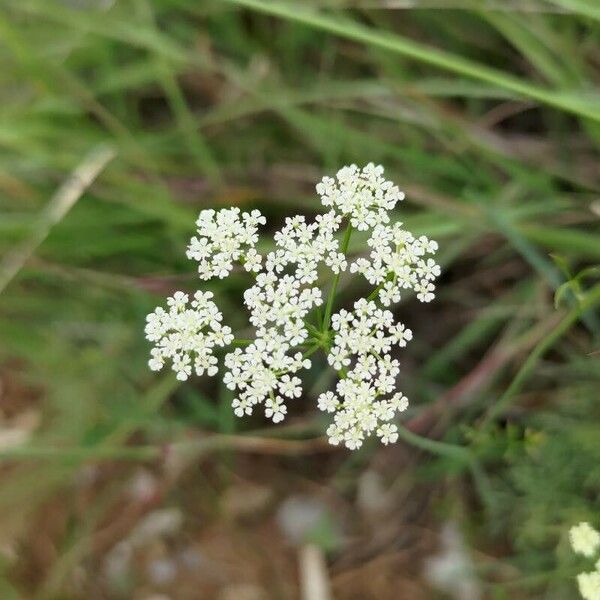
x: 314, y: 331
x: 336, y: 280
x: 342, y: 373
x: 456, y: 452
x: 311, y: 351
x: 374, y: 293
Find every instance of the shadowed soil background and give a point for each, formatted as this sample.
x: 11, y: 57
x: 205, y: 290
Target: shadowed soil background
x: 120, y: 120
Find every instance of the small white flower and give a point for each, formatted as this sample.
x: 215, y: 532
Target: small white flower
x: 275, y: 409
x: 401, y: 334
x: 425, y: 291
x: 327, y: 402
x: 178, y: 301
x: 336, y: 261
x: 399, y: 402
x: 290, y: 386
x: 388, y: 434
x: 428, y: 269
x: 338, y: 358
x: 584, y: 539
x: 241, y: 407
x: 252, y: 261
x: 389, y: 293
x: 334, y: 435
x: 353, y: 439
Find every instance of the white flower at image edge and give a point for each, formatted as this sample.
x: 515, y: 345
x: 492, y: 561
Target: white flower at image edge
x: 589, y: 585
x: 584, y: 539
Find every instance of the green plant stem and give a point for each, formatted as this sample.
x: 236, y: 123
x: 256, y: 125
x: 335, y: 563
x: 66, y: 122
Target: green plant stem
x: 589, y: 301
x: 374, y: 293
x: 433, y: 446
x: 242, y: 342
x: 314, y: 331
x: 453, y: 451
x: 336, y: 280
x: 311, y: 351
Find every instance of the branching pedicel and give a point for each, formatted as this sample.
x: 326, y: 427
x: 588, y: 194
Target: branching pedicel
x: 283, y: 307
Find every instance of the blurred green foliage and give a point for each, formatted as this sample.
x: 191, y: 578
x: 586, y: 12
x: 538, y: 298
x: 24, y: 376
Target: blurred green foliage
x: 487, y: 114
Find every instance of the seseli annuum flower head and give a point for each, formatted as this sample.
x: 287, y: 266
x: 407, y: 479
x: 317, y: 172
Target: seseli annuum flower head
x: 291, y: 317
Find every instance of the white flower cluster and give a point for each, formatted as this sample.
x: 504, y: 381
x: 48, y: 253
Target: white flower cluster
x: 282, y: 305
x: 363, y: 341
x: 278, y: 302
x: 363, y: 195
x: 186, y: 335
x: 585, y: 540
x: 304, y: 246
x: 398, y: 261
x: 224, y: 237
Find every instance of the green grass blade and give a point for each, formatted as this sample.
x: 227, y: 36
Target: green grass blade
x: 586, y: 8
x: 437, y: 58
